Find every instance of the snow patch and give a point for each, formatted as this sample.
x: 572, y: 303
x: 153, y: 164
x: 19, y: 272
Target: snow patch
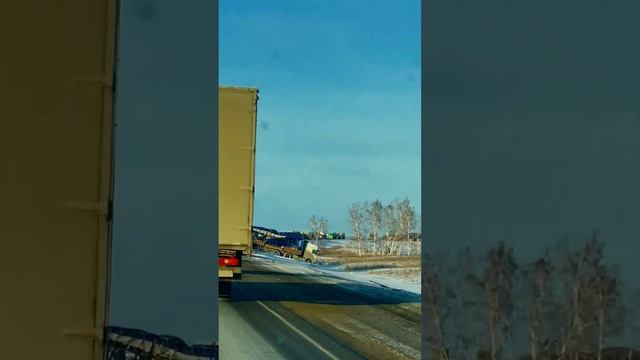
x: 383, y: 281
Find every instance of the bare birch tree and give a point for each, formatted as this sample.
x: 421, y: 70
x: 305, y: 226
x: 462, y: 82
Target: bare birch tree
x: 467, y: 315
x: 314, y: 226
x: 356, y: 219
x: 437, y: 297
x: 390, y: 225
x: 323, y: 225
x: 375, y: 220
x: 410, y: 226
x: 608, y: 310
x: 578, y: 268
x: 474, y: 312
x: 634, y: 316
x: 418, y: 226
x: 407, y: 221
x: 365, y: 209
x: 398, y: 219
x: 401, y: 214
x: 539, y: 283
x: 498, y: 281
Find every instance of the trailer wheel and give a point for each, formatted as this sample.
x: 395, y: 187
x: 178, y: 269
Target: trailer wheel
x: 308, y: 261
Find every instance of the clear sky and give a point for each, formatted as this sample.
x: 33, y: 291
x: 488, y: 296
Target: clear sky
x: 339, y: 111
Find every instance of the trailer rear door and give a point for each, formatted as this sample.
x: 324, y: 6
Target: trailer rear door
x: 237, y: 140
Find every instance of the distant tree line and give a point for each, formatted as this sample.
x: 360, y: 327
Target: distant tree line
x: 319, y: 226
x: 567, y: 304
x: 380, y: 229
x: 330, y: 235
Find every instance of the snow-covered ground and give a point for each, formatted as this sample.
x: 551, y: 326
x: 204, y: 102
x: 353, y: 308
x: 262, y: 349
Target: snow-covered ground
x: 367, y: 277
x: 334, y: 243
x: 295, y: 266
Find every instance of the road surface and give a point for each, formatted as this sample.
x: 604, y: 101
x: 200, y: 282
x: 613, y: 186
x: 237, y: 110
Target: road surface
x: 286, y: 310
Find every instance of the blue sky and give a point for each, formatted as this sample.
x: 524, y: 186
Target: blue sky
x: 339, y: 110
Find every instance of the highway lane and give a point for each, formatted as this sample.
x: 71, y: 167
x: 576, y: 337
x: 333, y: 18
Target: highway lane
x: 279, y: 311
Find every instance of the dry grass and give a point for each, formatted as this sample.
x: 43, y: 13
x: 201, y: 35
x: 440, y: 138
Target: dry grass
x: 392, y: 266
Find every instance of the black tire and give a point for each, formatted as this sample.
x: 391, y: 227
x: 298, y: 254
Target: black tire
x: 308, y: 261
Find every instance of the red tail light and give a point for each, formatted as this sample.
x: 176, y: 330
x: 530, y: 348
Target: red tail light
x: 228, y: 261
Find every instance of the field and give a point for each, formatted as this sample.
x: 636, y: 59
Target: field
x: 401, y: 272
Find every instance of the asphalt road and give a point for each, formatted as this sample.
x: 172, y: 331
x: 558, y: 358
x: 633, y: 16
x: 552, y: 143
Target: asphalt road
x: 282, y: 312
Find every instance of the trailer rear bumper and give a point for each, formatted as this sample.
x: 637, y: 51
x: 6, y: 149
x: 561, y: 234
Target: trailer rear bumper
x: 225, y: 274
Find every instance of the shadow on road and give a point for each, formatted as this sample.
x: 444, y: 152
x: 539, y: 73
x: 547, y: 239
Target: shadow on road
x: 334, y: 294
x: 267, y: 272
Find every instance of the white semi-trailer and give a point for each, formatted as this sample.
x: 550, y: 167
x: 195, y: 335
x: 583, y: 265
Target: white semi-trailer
x: 236, y: 168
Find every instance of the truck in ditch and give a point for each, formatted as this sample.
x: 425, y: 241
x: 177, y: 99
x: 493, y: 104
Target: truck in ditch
x: 287, y: 244
x: 237, y: 109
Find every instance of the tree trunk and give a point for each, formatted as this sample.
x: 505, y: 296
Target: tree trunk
x: 534, y: 344
x: 600, y: 332
x: 388, y: 243
x: 373, y: 247
x: 441, y: 348
x: 392, y: 248
x: 408, y: 227
x: 492, y: 333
